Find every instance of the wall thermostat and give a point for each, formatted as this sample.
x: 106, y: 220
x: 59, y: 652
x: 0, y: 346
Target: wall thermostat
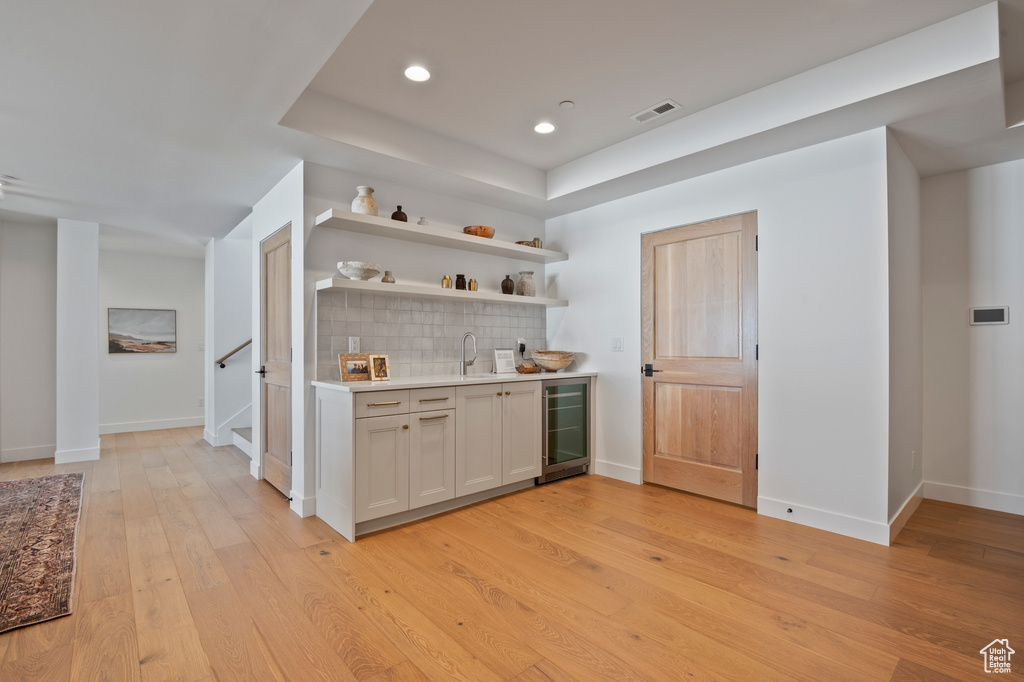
x: 990, y: 315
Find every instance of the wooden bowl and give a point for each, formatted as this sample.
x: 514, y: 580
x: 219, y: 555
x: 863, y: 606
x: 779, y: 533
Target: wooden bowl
x: 552, y: 360
x: 527, y: 369
x: 529, y: 243
x: 479, y: 231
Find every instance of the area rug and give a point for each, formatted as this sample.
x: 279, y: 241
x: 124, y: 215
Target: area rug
x: 38, y: 527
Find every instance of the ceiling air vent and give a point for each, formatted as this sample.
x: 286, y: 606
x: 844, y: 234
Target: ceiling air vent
x: 657, y: 110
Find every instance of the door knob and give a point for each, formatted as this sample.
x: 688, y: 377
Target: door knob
x: 262, y: 371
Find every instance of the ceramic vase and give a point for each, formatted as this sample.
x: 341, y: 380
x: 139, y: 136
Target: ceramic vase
x: 507, y: 285
x: 364, y: 202
x: 388, y: 278
x: 526, y: 285
x: 400, y: 215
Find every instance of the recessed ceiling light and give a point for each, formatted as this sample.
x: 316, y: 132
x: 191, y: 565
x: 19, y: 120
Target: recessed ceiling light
x: 544, y: 128
x: 417, y: 73
x: 567, y: 104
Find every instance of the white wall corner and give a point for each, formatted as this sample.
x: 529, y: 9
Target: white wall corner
x: 254, y: 468
x: 619, y: 472
x: 850, y: 526
x: 210, y: 437
x: 975, y: 497
x: 303, y: 506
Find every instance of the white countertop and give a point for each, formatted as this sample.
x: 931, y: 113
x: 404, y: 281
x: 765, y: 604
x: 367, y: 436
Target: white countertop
x: 400, y: 383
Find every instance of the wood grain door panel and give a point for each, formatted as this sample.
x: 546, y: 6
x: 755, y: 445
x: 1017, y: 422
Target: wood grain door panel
x: 276, y: 351
x: 699, y: 332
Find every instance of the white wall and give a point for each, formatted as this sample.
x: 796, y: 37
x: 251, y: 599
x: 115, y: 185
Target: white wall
x: 78, y: 344
x: 158, y: 390
x: 822, y: 314
x: 228, y: 325
x: 28, y: 340
x: 973, y: 248
x: 905, y: 349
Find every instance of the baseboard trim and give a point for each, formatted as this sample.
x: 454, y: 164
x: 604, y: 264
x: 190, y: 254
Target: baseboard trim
x: 975, y: 497
x: 242, y: 444
x: 303, y: 506
x: 155, y: 425
x: 850, y: 526
x: 905, y: 512
x: 27, y: 454
x: 620, y: 472
x: 254, y: 469
x: 80, y: 455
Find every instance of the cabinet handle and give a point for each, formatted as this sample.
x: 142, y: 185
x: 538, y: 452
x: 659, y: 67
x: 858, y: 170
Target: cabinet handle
x: 431, y: 400
x: 499, y: 394
x: 508, y: 392
x: 405, y: 426
x: 393, y: 402
x: 427, y: 419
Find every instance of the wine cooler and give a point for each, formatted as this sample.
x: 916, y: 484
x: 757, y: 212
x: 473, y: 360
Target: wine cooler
x: 566, y: 428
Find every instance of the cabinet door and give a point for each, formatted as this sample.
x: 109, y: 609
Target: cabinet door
x: 521, y: 431
x: 382, y: 466
x: 431, y: 457
x: 477, y: 438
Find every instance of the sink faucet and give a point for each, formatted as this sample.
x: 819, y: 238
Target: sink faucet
x: 463, y: 365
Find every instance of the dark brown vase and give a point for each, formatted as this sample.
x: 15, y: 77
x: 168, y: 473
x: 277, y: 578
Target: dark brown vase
x: 460, y: 282
x: 398, y: 215
x: 507, y: 285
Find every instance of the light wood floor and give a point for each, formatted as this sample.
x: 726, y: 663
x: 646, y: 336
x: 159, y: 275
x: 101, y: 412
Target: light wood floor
x: 191, y: 570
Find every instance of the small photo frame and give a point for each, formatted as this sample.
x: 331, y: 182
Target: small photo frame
x: 354, y: 366
x: 504, y: 361
x: 380, y: 369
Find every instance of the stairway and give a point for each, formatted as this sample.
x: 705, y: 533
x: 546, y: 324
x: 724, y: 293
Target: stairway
x: 242, y: 439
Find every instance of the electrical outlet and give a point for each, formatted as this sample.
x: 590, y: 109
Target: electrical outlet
x: 353, y: 344
x: 202, y: 402
x: 913, y: 460
x: 202, y: 347
x: 616, y: 344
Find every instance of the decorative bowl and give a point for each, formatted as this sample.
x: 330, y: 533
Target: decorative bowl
x: 552, y: 360
x: 357, y: 269
x: 527, y: 369
x: 479, y: 231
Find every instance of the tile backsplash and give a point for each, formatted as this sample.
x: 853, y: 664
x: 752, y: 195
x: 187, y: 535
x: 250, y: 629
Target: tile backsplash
x: 421, y: 336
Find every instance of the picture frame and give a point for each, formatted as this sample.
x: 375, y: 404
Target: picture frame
x: 380, y: 368
x: 504, y: 361
x: 142, y: 330
x: 354, y: 366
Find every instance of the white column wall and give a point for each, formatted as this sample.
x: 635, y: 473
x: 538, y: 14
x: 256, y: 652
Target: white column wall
x: 78, y: 437
x: 822, y: 316
x: 972, y: 251
x: 905, y: 345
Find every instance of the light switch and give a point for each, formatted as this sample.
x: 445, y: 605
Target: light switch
x: 616, y: 344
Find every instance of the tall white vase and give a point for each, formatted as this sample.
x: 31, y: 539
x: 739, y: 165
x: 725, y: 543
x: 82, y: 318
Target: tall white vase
x: 364, y: 202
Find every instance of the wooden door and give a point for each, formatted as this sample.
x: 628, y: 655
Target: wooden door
x: 431, y: 457
x: 477, y: 438
x: 382, y: 466
x: 521, y: 431
x: 276, y: 359
x: 699, y: 333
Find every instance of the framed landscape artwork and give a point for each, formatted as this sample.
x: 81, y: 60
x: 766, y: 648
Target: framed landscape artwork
x: 141, y: 330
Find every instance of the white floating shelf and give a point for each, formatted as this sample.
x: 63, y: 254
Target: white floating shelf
x: 425, y: 234
x: 341, y: 284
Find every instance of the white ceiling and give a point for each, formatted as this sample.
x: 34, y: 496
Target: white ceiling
x: 164, y: 118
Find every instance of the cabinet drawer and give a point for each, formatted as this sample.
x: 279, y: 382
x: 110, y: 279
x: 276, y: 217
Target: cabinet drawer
x: 381, y: 403
x: 440, y: 398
